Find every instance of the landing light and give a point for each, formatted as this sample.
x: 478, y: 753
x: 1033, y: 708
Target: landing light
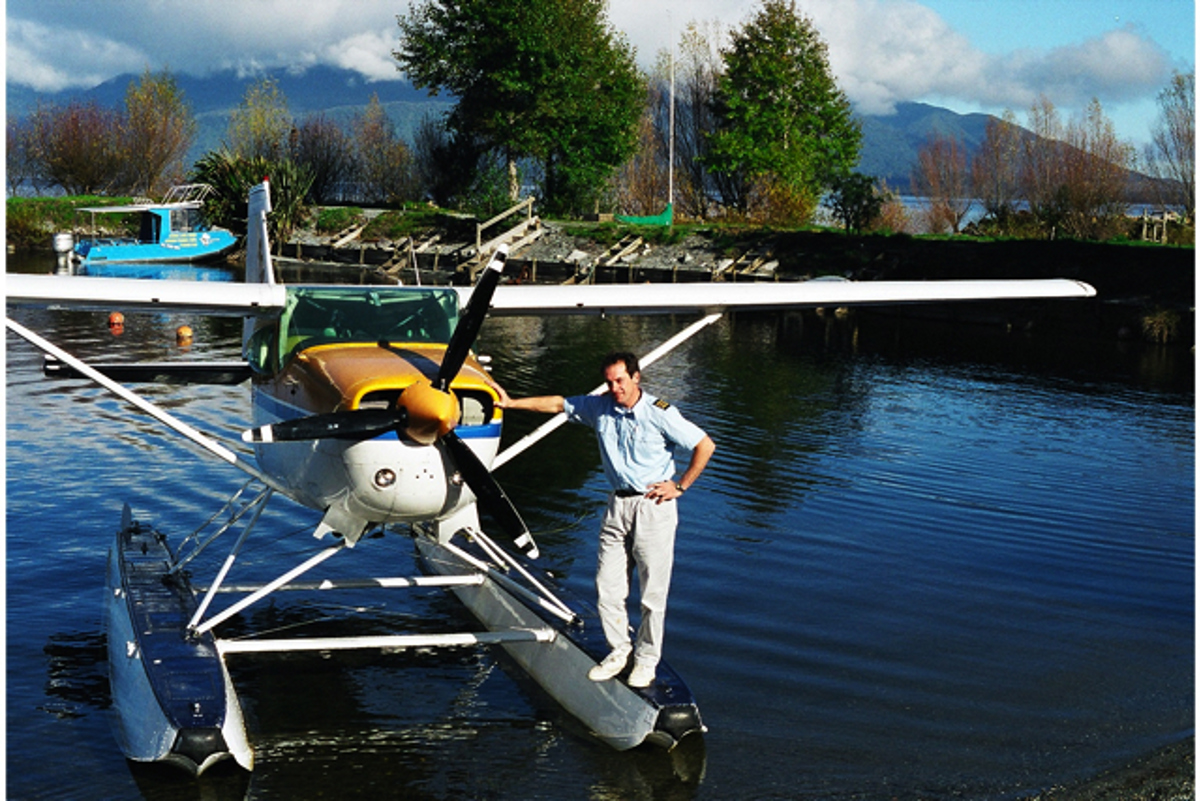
x: 385, y: 478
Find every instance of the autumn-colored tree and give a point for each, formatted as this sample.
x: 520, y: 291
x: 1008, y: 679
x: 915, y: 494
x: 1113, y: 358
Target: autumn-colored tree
x: 260, y: 126
x: 1096, y: 168
x: 942, y: 177
x: 1172, y: 152
x: 322, y: 146
x: 1042, y: 175
x: 995, y: 169
x: 693, y: 70
x: 158, y: 130
x: 20, y: 166
x: 640, y: 186
x: 77, y: 147
x: 382, y: 162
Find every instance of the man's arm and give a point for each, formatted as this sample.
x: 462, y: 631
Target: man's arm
x: 550, y: 404
x: 669, y: 490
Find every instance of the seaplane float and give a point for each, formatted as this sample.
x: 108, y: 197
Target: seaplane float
x: 368, y: 406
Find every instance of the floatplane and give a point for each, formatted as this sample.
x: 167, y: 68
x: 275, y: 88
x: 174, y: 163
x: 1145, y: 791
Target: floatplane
x: 369, y: 407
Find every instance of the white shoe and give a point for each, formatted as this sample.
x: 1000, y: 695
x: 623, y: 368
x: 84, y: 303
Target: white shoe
x: 613, y: 664
x: 641, y: 675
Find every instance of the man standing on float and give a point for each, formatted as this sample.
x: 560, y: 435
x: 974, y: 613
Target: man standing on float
x: 638, y: 434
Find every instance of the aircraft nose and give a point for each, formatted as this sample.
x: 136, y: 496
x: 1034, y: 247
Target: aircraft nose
x: 431, y: 412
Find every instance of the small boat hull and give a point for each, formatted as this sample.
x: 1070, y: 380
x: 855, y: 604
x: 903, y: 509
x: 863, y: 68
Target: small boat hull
x: 619, y: 715
x: 173, y: 697
x: 179, y: 248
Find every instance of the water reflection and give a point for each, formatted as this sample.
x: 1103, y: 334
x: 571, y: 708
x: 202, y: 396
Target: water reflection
x: 927, y: 561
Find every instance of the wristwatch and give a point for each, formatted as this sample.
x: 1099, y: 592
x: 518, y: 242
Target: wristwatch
x: 680, y: 487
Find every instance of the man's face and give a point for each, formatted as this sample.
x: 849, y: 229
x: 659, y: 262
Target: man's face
x: 622, y: 385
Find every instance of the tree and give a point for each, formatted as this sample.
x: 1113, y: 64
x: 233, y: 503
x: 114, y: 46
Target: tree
x: 641, y: 184
x: 77, y: 146
x: 383, y: 164
x: 158, y: 131
x: 942, y: 177
x: 1096, y: 169
x: 855, y: 201
x: 20, y: 166
x: 545, y: 79
x: 321, y: 146
x: 994, y: 170
x: 261, y: 125
x: 697, y: 65
x: 1172, y: 152
x: 784, y: 128
x: 1042, y: 175
x: 232, y: 175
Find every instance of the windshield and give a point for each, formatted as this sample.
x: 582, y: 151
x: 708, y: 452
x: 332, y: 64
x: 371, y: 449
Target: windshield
x: 320, y: 315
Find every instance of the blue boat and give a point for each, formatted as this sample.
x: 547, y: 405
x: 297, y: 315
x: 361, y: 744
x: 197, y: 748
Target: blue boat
x: 172, y: 230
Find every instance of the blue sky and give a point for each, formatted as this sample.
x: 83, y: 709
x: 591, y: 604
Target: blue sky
x: 968, y: 55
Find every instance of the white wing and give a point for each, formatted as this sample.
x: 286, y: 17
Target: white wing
x: 105, y: 294
x: 709, y: 297
x: 135, y: 294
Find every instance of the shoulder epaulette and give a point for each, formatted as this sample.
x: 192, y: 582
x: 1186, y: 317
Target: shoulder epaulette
x: 662, y: 404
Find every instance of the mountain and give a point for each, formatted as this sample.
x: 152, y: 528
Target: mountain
x: 891, y: 142
x: 889, y: 148
x: 337, y: 92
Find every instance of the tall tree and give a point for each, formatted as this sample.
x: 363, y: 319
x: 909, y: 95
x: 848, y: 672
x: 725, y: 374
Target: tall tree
x: 77, y: 147
x: 1172, y: 152
x: 941, y: 176
x: 784, y: 128
x: 261, y: 125
x: 159, y: 129
x: 383, y: 164
x: 1042, y: 175
x: 1097, y: 165
x: 323, y: 147
x: 694, y: 67
x: 542, y: 79
x: 994, y: 169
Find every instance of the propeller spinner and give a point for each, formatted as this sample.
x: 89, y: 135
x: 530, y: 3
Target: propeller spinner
x: 426, y: 412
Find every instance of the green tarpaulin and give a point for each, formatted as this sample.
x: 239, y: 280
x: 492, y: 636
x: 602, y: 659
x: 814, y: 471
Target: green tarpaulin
x: 658, y: 219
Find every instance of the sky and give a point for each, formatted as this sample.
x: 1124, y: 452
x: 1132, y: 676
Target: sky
x: 966, y: 55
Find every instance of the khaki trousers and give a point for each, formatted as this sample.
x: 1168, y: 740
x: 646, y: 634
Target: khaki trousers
x: 636, y: 532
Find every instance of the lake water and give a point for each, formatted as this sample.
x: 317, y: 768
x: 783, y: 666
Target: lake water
x: 925, y: 562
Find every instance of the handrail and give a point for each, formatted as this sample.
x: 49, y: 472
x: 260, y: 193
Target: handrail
x: 479, y: 227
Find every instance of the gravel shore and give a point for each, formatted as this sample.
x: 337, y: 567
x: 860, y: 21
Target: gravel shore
x: 1168, y: 774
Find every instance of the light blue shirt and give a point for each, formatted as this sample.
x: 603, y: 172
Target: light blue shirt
x: 637, y: 445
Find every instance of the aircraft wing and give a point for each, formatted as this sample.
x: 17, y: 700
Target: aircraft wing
x: 534, y: 300
x: 134, y: 294
x: 240, y: 299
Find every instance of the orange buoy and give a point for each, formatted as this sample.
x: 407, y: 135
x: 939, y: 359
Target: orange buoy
x: 116, y: 318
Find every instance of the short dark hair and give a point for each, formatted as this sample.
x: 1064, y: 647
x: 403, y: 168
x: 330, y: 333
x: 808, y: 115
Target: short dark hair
x: 620, y: 356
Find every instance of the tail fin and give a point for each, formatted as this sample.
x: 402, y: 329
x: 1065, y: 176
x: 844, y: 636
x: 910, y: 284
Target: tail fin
x: 258, y: 249
x: 258, y: 244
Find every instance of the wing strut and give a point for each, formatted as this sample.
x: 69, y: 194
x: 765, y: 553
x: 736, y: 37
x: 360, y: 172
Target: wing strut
x: 174, y: 423
x: 535, y: 436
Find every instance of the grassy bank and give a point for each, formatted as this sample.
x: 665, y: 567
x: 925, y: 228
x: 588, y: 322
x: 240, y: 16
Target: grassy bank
x: 32, y: 221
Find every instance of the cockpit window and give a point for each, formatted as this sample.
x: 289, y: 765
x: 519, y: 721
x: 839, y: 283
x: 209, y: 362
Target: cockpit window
x: 322, y: 315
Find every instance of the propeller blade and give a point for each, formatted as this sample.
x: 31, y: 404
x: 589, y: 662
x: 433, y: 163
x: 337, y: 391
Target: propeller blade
x: 489, y: 494
x: 472, y: 319
x: 356, y: 424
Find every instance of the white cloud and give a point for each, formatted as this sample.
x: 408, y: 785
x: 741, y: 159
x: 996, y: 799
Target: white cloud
x: 50, y: 59
x: 882, y: 51
x: 367, y: 53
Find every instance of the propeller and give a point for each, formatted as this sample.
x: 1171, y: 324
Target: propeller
x: 426, y: 412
